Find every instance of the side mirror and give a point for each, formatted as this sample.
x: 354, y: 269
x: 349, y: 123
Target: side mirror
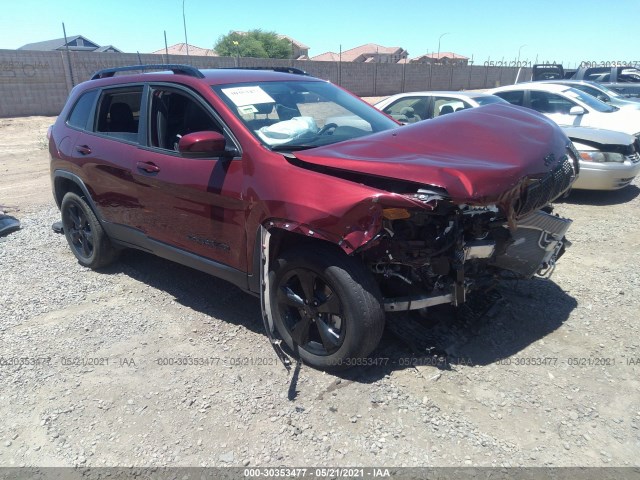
x: 577, y: 110
x: 206, y: 142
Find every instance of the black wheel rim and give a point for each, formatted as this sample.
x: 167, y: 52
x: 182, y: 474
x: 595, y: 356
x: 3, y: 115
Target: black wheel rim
x: 311, y: 311
x: 79, y: 230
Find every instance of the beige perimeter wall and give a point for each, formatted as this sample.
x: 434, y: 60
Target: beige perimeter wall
x: 37, y: 83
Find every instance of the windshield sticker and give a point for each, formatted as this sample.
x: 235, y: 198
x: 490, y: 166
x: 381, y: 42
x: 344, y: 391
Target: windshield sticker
x: 242, y: 96
x: 571, y: 94
x: 247, y: 110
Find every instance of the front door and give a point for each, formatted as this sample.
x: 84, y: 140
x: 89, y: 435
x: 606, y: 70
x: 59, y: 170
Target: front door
x: 190, y: 203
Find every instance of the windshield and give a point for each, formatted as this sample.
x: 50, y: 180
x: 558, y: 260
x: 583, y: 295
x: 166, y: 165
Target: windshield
x: 590, y: 101
x: 294, y: 115
x: 489, y: 99
x: 605, y: 89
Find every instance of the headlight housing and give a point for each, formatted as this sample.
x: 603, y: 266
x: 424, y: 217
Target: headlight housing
x: 601, y: 157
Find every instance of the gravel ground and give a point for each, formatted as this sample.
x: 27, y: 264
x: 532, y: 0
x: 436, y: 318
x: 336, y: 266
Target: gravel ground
x: 550, y: 378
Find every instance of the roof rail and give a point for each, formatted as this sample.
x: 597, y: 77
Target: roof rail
x: 175, y: 68
x: 294, y: 70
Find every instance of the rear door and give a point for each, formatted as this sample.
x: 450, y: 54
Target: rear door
x: 106, y: 150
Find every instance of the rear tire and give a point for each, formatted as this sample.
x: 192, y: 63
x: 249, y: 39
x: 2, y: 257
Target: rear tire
x: 326, y: 306
x: 86, y: 237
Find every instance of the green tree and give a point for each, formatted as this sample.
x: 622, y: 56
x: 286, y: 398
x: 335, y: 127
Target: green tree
x: 254, y: 43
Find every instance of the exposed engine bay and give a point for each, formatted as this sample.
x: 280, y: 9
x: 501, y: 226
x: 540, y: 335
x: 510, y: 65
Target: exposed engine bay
x: 427, y: 258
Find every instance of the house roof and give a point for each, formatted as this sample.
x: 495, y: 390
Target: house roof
x: 106, y: 48
x: 181, y: 49
x: 301, y: 46
x: 58, y: 43
x: 327, y: 57
x: 369, y: 48
x: 442, y: 55
x: 367, y: 51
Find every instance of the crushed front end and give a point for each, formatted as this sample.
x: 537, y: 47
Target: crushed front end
x: 439, y: 252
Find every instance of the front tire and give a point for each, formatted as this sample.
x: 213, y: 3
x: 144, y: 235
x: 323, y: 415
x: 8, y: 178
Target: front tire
x: 86, y: 237
x: 326, y: 306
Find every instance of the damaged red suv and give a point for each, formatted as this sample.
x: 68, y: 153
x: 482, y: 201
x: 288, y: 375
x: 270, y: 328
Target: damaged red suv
x: 297, y: 191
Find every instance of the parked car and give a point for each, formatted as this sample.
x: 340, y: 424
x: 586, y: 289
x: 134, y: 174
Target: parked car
x: 547, y: 71
x: 568, y: 106
x: 240, y: 174
x: 623, y: 79
x: 415, y: 106
x: 601, y: 92
x: 608, y: 160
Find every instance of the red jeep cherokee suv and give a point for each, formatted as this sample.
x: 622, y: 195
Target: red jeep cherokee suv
x: 299, y: 192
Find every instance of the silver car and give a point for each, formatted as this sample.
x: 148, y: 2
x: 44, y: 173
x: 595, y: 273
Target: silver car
x: 608, y: 160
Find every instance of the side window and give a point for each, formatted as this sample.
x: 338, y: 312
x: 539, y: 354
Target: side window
x: 408, y: 108
x: 544, y: 102
x: 175, y: 114
x: 514, y: 97
x: 79, y: 116
x: 119, y: 113
x: 444, y: 105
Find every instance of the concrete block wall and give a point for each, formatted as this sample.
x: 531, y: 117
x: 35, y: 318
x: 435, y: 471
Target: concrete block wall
x: 38, y: 83
x: 31, y: 84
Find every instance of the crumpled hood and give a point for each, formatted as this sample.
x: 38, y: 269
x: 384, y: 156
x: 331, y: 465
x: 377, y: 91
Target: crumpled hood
x: 476, y: 155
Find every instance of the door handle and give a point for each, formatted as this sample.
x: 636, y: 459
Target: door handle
x: 83, y: 149
x: 148, y: 167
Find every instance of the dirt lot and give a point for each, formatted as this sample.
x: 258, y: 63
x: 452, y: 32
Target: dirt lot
x: 548, y: 379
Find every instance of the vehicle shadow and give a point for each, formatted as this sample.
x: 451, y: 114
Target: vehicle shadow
x: 529, y: 310
x: 601, y: 198
x: 191, y: 288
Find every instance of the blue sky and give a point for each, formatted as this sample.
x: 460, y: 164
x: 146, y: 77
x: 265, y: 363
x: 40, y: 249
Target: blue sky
x: 568, y: 31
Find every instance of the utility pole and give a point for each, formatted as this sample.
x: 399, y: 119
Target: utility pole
x: 166, y: 48
x: 66, y: 43
x: 184, y: 21
x: 519, y: 50
x: 440, y: 38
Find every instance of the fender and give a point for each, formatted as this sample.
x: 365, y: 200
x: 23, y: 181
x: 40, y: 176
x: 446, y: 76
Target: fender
x: 264, y: 240
x: 79, y: 183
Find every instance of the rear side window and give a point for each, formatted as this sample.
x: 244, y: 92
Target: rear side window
x: 118, y: 113
x: 81, y: 112
x: 515, y: 98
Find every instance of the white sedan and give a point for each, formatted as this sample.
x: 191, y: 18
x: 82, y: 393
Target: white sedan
x: 568, y: 106
x: 412, y: 107
x: 609, y: 160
